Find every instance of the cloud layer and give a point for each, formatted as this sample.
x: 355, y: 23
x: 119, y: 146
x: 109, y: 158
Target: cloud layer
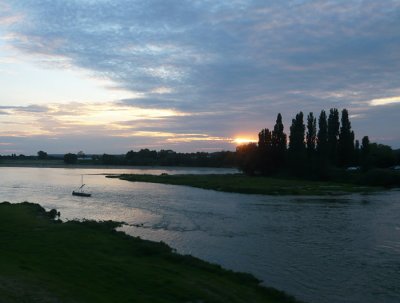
x: 231, y: 66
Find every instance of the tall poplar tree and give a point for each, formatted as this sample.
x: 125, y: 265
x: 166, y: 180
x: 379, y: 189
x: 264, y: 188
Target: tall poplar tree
x: 264, y: 150
x: 365, y: 145
x: 311, y: 143
x: 364, y: 152
x: 296, y: 137
x: 246, y: 158
x: 322, y: 145
x: 322, y: 137
x: 333, y: 134
x: 346, y: 141
x: 264, y: 139
x: 278, y: 144
x: 357, y: 153
x: 297, y: 148
x: 311, y: 137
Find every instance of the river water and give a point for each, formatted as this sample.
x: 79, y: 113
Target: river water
x: 319, y: 249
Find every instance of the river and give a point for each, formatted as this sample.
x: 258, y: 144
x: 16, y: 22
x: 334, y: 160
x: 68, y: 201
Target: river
x: 319, y: 249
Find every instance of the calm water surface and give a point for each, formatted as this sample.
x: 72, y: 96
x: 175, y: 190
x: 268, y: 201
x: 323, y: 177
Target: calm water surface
x: 328, y: 250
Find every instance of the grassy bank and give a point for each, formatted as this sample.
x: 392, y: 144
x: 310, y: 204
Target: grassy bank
x: 43, y: 260
x: 253, y: 185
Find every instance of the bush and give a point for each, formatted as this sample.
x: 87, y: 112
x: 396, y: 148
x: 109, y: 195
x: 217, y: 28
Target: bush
x: 380, y: 177
x: 70, y: 158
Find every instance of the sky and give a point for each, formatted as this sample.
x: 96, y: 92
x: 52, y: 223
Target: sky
x: 111, y: 76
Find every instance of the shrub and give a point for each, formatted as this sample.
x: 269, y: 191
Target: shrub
x: 380, y: 177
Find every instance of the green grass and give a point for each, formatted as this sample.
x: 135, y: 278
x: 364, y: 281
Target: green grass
x: 252, y: 185
x: 42, y: 260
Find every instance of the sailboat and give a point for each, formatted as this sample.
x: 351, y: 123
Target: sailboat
x: 80, y: 191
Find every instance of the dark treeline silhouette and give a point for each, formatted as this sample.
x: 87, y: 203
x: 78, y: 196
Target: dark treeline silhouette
x: 70, y: 158
x: 143, y: 157
x: 41, y: 155
x: 146, y: 157
x: 318, y: 150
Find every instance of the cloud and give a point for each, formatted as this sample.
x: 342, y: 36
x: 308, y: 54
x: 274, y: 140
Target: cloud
x: 235, y: 64
x: 158, y: 128
x: 24, y: 109
x: 385, y: 101
x: 380, y: 123
x: 207, y: 49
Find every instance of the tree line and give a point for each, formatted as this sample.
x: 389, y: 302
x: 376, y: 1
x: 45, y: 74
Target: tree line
x: 146, y: 157
x: 143, y: 157
x: 314, y: 148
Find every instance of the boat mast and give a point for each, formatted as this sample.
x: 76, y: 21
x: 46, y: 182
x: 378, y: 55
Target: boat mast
x: 82, y: 185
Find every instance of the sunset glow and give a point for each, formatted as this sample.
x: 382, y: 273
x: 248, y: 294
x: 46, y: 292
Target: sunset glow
x: 240, y: 141
x: 56, y: 119
x: 385, y: 101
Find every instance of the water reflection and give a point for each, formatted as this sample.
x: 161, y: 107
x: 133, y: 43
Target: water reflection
x: 345, y: 249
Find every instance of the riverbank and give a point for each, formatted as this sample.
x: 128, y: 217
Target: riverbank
x: 50, y: 261
x: 239, y: 183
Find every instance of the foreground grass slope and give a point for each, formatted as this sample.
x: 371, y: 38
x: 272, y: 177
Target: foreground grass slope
x: 252, y: 185
x: 42, y: 260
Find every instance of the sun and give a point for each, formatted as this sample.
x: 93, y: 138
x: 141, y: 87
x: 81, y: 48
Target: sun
x: 242, y: 140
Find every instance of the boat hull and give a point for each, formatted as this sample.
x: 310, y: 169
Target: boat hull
x: 77, y: 193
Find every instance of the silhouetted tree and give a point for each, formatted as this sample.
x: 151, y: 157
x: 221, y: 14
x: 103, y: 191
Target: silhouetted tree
x: 70, y: 158
x: 311, y: 143
x: 81, y: 154
x: 129, y: 156
x: 246, y: 157
x: 333, y: 134
x: 278, y: 144
x: 168, y: 157
x: 311, y: 138
x: 112, y: 159
x: 42, y: 155
x: 381, y: 156
x: 397, y: 154
x: 346, y: 141
x: 365, y: 145
x: 264, y: 151
x: 297, y: 148
x: 364, y: 153
x: 171, y: 158
x: 322, y: 145
x: 357, y: 153
x: 148, y: 157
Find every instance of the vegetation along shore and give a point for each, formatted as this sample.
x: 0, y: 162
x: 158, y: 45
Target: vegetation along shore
x: 239, y: 183
x: 50, y: 261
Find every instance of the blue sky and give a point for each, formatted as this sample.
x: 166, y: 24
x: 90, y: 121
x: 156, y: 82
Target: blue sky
x: 110, y: 76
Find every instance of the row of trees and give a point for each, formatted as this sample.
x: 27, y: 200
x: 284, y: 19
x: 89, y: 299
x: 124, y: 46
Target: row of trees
x: 162, y: 158
x: 313, y: 147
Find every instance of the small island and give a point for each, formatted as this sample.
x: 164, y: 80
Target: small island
x: 239, y: 183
